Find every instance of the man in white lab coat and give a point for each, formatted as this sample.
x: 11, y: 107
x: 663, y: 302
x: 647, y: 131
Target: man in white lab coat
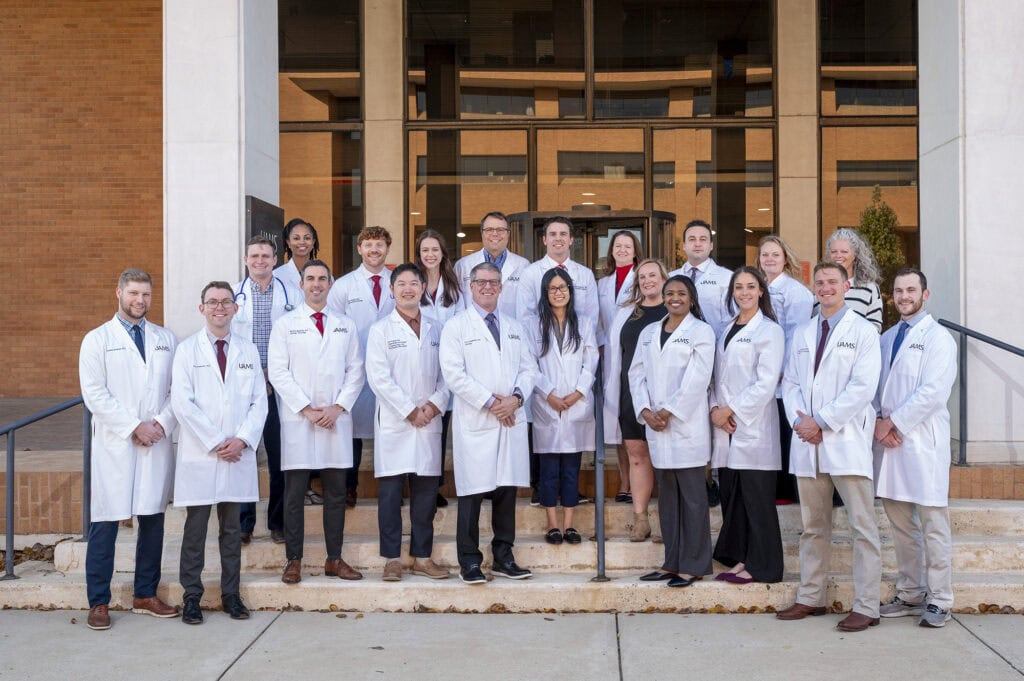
x: 402, y: 370
x: 494, y: 233
x: 918, y: 370
x: 316, y: 368
x: 364, y: 297
x: 125, y: 372
x: 829, y: 383
x: 220, y: 399
x: 487, y: 363
x: 710, y: 278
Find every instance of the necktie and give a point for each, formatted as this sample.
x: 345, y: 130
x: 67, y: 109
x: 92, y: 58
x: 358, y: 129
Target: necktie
x: 376, y: 289
x: 492, y: 326
x: 821, y: 344
x: 318, y: 317
x: 562, y: 267
x: 900, y: 335
x: 139, y: 342
x: 694, y: 273
x: 222, y: 357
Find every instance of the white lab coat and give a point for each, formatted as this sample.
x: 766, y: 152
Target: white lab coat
x: 611, y: 373
x: 564, y: 372
x: 841, y: 393
x: 583, y: 285
x: 675, y: 377
x: 486, y: 454
x: 746, y: 375
x: 122, y: 391
x: 211, y: 410
x: 510, y: 271
x: 290, y: 274
x: 712, y: 292
x: 913, y: 393
x: 284, y: 294
x: 609, y: 304
x: 352, y: 296
x: 436, y: 310
x: 307, y: 369
x: 403, y: 371
x: 792, y: 303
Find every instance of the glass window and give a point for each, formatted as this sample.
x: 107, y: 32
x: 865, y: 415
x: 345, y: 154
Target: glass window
x: 595, y: 167
x: 495, y: 59
x: 682, y: 58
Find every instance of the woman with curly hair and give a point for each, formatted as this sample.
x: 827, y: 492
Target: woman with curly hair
x: 847, y: 248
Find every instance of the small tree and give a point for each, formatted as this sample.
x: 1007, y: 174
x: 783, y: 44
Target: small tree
x: 878, y: 223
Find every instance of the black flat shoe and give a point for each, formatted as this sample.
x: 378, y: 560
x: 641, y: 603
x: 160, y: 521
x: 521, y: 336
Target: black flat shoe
x: 572, y: 536
x: 624, y: 498
x: 553, y: 536
x: 678, y: 581
x: 656, y: 576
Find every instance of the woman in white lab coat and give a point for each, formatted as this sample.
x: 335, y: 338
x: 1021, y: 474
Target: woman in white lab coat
x: 301, y: 244
x: 563, y: 409
x: 613, y: 292
x: 746, y: 435
x: 669, y: 379
x: 792, y: 303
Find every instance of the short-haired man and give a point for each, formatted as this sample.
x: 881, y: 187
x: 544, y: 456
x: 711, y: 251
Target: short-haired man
x: 558, y: 240
x: 919, y: 361
x: 403, y: 371
x: 710, y: 278
x: 125, y: 372
x: 220, y: 398
x: 316, y: 368
x: 828, y: 385
x: 488, y: 365
x: 262, y: 298
x: 494, y: 233
x: 363, y: 296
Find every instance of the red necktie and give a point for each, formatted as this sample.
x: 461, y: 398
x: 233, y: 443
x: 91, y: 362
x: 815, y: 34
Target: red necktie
x: 562, y: 267
x: 821, y: 344
x: 376, y: 289
x: 318, y: 317
x: 222, y: 357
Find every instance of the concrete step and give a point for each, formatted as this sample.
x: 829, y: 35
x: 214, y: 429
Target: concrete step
x: 548, y: 591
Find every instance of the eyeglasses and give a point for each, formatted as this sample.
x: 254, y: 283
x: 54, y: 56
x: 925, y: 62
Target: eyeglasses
x: 558, y: 289
x: 494, y: 230
x: 223, y: 304
x: 487, y: 283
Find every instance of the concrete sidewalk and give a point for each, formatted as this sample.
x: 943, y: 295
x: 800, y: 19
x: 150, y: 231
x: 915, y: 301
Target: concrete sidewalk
x: 601, y: 647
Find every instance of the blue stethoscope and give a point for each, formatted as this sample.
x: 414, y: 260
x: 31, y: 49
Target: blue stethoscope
x: 288, y: 307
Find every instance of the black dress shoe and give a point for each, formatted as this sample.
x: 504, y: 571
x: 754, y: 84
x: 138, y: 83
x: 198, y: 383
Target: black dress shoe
x: 656, y: 576
x: 234, y: 607
x: 277, y: 536
x: 246, y: 538
x: 678, y: 581
x: 472, y: 575
x: 191, y: 613
x: 553, y: 536
x: 441, y: 501
x: 572, y: 535
x: 714, y: 495
x: 510, y: 569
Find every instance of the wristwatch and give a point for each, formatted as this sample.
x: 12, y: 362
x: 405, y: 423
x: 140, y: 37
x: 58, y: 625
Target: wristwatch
x: 519, y: 396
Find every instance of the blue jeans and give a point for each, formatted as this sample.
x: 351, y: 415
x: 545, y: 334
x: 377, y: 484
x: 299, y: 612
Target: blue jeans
x: 559, y: 477
x: 99, y: 558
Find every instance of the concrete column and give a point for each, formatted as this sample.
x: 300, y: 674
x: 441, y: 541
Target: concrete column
x: 384, y: 114
x: 971, y: 143
x: 796, y: 78
x: 220, y: 141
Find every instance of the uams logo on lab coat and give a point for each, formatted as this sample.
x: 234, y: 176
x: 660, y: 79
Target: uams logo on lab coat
x: 513, y: 336
x: 846, y: 344
x: 244, y: 366
x: 744, y: 340
x: 339, y: 329
x: 684, y: 341
x: 164, y: 348
x: 916, y: 346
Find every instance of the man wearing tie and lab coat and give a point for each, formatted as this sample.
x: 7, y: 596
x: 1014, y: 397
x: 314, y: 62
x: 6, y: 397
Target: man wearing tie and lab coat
x: 125, y: 373
x: 827, y: 388
x: 494, y: 233
x: 710, y: 278
x: 363, y: 297
x: 220, y: 398
x: 402, y: 370
x: 487, y: 364
x: 316, y: 368
x: 918, y: 371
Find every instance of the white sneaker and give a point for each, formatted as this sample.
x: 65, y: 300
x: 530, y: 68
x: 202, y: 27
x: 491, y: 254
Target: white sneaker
x: 900, y: 608
x: 934, y: 616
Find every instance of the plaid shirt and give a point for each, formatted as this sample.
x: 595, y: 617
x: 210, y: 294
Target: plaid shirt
x: 262, y: 301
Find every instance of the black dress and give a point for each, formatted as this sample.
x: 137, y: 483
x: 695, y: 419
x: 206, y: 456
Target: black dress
x: 630, y: 334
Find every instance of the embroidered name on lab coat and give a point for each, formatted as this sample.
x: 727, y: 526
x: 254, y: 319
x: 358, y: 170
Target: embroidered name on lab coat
x: 299, y: 332
x: 115, y: 349
x: 396, y: 344
x: 355, y: 300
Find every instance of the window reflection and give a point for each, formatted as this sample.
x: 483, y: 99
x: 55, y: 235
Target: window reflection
x: 596, y: 167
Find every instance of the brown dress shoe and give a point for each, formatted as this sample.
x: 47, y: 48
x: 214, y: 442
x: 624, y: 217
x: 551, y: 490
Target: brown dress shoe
x: 798, y: 611
x: 855, y: 621
x: 425, y: 567
x: 393, y: 571
x: 153, y: 606
x: 99, y: 618
x: 292, y: 572
x: 341, y: 569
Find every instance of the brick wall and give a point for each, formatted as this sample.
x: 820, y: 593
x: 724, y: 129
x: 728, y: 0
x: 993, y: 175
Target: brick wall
x: 81, y: 176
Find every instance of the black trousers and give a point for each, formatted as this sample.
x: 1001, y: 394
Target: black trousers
x: 446, y: 422
x: 357, y: 459
x: 503, y: 521
x: 685, y: 520
x: 785, y: 484
x: 295, y: 484
x: 750, y: 524
x: 193, y: 548
x: 275, y: 505
x: 99, y: 557
x: 422, y: 507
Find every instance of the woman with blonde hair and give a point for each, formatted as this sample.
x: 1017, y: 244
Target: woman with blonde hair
x: 847, y: 248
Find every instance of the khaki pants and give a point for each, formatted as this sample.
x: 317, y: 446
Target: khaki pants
x: 924, y: 552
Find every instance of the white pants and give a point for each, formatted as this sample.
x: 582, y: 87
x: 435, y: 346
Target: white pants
x: 924, y: 552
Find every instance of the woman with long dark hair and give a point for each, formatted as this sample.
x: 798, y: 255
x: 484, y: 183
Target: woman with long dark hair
x: 301, y: 244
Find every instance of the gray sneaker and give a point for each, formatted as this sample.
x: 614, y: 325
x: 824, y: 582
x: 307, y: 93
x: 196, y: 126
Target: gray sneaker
x: 934, y: 616
x: 900, y: 608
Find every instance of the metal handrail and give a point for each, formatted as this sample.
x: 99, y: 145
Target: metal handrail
x: 961, y: 457
x: 599, y: 471
x: 10, y: 430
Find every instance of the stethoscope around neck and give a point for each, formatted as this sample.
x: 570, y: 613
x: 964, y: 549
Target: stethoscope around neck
x: 288, y: 307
